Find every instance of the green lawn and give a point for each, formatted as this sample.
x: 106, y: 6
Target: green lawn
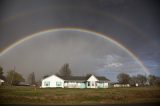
x: 28, y: 95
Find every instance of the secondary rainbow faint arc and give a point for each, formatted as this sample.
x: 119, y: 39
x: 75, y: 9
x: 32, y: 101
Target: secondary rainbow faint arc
x: 76, y: 29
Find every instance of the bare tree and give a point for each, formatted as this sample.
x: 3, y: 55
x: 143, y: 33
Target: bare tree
x: 14, y: 78
x: 1, y: 74
x: 151, y: 79
x: 123, y: 78
x: 65, y: 70
x: 141, y: 80
x: 1, y: 70
x: 154, y: 80
x: 133, y: 80
x: 31, y: 79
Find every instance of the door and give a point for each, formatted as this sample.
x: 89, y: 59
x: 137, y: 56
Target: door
x: 93, y: 84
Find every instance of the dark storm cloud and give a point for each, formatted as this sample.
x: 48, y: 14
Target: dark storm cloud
x: 133, y: 23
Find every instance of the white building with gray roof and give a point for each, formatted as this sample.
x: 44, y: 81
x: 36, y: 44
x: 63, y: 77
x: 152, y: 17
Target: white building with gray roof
x: 91, y: 81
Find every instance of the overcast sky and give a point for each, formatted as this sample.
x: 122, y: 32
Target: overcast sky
x: 85, y: 52
x: 132, y: 23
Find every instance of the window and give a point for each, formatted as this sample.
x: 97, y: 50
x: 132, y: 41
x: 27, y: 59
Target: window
x: 58, y: 83
x: 47, y: 83
x: 88, y: 83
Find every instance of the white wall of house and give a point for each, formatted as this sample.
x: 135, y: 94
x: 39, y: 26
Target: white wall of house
x: 71, y: 84
x: 102, y: 85
x: 106, y: 85
x: 92, y: 82
x: 52, y: 81
x: 74, y: 84
x: 55, y: 81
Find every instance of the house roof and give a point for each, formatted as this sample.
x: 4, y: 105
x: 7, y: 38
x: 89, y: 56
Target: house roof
x: 83, y: 78
x: 79, y: 78
x: 101, y: 78
x: 51, y: 76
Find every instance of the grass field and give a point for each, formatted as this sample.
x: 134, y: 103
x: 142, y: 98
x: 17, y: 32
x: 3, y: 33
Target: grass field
x: 30, y: 95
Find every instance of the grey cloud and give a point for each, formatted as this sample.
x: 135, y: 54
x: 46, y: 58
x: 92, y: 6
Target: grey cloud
x: 46, y: 53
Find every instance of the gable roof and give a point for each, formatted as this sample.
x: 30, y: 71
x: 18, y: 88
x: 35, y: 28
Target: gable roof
x: 83, y: 78
x: 52, y: 76
x: 101, y: 78
x: 78, y: 78
x: 72, y: 78
x: 92, y: 78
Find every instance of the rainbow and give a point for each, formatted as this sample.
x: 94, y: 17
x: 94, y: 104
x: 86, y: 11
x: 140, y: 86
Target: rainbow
x: 81, y: 30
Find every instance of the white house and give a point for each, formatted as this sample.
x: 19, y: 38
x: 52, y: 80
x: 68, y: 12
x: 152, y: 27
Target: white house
x: 1, y: 81
x: 75, y: 82
x: 121, y: 85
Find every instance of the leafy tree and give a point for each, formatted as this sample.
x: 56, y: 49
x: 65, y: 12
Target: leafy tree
x: 123, y: 78
x: 1, y: 74
x: 31, y: 79
x: 14, y: 78
x: 65, y: 70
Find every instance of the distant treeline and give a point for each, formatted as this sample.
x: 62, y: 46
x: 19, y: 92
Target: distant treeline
x: 15, y: 78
